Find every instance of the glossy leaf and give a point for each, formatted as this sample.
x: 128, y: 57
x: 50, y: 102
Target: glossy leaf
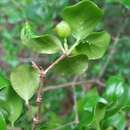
x: 92, y: 109
x: 94, y: 45
x: 125, y: 101
x: 72, y: 65
x: 100, y: 111
x: 2, y: 122
x: 25, y: 81
x: 44, y: 44
x: 3, y: 82
x: 114, y: 88
x: 114, y: 93
x: 92, y: 96
x: 3, y: 94
x: 118, y: 121
x: 86, y: 107
x: 119, y: 96
x: 82, y: 18
x: 13, y: 105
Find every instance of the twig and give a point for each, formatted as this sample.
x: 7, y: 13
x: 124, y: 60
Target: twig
x: 54, y: 63
x: 35, y: 66
x: 69, y: 84
x: 36, y: 119
x: 110, y: 56
x: 75, y: 101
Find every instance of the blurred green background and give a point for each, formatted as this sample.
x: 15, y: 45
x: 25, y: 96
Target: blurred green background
x: 43, y: 16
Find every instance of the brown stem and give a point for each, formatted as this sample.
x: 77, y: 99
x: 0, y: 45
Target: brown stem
x: 75, y: 107
x: 37, y: 118
x: 69, y: 84
x: 54, y: 63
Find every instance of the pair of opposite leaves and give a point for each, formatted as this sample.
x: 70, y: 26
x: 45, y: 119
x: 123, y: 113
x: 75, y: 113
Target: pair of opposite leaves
x: 82, y: 19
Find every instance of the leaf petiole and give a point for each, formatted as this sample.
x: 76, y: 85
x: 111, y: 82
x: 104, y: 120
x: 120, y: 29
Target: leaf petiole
x: 65, y: 45
x: 73, y: 46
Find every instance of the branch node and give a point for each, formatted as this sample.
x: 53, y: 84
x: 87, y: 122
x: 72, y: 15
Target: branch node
x: 42, y: 74
x: 36, y: 120
x: 39, y: 99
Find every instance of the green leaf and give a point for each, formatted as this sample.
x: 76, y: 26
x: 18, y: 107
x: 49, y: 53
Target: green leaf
x: 91, y: 109
x: 25, y: 81
x: 89, y: 100
x: 125, y: 101
x: 44, y: 44
x: 118, y: 121
x: 3, y: 82
x: 94, y: 45
x: 2, y: 122
x: 72, y: 65
x: 99, y: 111
x: 26, y: 32
x: 114, y: 88
x: 82, y: 18
x: 13, y: 105
x: 86, y: 107
x: 116, y: 94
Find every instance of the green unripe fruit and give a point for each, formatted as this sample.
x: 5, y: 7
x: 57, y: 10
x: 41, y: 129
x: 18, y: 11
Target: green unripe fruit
x: 63, y: 29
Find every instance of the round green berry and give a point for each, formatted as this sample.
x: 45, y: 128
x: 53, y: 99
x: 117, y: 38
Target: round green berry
x: 63, y: 29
